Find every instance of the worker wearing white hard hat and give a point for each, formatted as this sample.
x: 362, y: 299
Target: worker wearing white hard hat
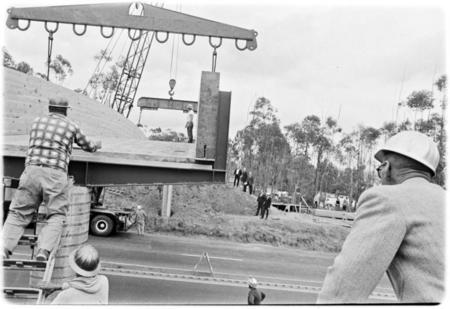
x: 414, y: 145
x: 141, y: 218
x: 398, y: 229
x: 88, y: 287
x: 255, y: 297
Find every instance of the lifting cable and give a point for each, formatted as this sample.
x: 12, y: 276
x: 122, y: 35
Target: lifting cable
x: 50, y: 44
x: 49, y: 53
x: 214, y: 55
x: 172, y: 75
x: 97, y: 70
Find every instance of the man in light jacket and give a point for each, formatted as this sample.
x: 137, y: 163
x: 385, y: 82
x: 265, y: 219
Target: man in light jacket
x: 399, y: 228
x: 88, y: 287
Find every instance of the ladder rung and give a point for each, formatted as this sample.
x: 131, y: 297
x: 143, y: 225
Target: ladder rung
x: 24, y: 264
x: 28, y: 240
x: 14, y: 291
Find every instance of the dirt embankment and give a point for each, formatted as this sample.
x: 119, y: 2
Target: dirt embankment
x: 221, y: 211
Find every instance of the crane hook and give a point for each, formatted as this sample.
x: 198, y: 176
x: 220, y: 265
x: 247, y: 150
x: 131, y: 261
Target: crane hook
x: 172, y: 83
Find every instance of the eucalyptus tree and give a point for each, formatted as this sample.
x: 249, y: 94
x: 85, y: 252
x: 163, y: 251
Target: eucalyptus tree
x: 262, y: 147
x: 61, y: 67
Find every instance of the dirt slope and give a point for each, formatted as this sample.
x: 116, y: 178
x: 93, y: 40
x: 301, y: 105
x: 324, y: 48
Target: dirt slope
x: 221, y: 211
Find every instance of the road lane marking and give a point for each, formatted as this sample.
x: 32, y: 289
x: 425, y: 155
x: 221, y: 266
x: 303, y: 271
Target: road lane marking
x: 226, y: 281
x: 381, y: 290
x: 212, y: 257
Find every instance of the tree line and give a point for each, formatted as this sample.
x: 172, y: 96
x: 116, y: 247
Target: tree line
x: 314, y: 155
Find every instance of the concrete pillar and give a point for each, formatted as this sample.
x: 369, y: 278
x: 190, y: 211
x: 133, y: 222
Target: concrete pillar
x: 208, y: 109
x: 166, y: 201
x: 75, y: 233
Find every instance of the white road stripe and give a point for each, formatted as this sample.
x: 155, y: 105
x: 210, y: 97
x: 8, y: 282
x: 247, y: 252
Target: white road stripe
x: 212, y: 257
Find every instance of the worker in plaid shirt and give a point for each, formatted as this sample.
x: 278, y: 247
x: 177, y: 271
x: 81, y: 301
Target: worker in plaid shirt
x: 45, y: 178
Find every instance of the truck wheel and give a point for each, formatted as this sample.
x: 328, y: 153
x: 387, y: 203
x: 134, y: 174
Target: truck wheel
x: 102, y: 225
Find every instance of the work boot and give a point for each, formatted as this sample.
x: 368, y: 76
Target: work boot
x: 42, y: 255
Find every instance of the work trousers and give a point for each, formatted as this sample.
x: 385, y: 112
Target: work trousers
x: 140, y: 226
x: 265, y: 211
x: 258, y: 210
x: 38, y: 184
x: 236, y: 180
x: 190, y: 127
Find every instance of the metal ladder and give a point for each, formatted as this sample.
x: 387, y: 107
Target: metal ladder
x: 44, y: 287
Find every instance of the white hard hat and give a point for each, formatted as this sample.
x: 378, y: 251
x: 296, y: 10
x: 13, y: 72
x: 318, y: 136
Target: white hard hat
x: 85, y: 261
x: 414, y: 145
x: 252, y: 282
x: 139, y: 207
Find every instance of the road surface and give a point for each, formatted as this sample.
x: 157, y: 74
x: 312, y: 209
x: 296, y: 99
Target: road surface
x: 158, y: 269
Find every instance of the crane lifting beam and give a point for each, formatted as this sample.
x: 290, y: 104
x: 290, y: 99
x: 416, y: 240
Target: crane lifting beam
x: 156, y: 103
x: 123, y: 15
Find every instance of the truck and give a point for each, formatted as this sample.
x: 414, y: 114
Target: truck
x: 104, y: 220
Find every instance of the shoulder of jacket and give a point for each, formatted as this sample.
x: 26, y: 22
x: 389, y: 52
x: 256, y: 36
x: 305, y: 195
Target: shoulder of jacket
x: 379, y: 191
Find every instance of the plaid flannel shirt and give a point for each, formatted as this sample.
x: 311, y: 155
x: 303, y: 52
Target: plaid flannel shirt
x: 51, y: 140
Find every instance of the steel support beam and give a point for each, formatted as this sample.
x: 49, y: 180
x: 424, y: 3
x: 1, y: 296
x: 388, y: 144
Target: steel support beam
x: 156, y: 103
x: 107, y: 174
x: 125, y: 16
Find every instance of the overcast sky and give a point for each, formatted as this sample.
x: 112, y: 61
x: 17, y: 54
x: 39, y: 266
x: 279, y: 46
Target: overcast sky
x: 336, y: 59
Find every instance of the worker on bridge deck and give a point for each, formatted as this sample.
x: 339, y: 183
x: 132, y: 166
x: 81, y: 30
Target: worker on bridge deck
x: 398, y: 229
x: 190, y: 123
x: 45, y: 178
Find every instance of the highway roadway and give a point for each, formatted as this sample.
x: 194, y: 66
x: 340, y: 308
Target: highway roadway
x: 159, y: 269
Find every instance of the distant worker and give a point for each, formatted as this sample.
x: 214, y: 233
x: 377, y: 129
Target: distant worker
x: 141, y: 218
x: 337, y: 205
x: 45, y: 178
x: 399, y: 228
x: 255, y: 297
x: 250, y: 181
x: 260, y: 200
x: 237, y: 177
x: 345, y: 204
x: 266, y: 207
x: 87, y: 287
x: 190, y: 123
x: 244, y: 177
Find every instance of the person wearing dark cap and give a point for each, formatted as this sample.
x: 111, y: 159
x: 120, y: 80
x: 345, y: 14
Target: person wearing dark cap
x: 45, y: 178
x: 88, y: 287
x: 399, y: 229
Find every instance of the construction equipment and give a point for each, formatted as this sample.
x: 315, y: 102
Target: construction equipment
x: 139, y: 19
x: 204, y: 257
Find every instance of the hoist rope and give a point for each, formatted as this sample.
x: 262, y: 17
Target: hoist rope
x: 96, y: 70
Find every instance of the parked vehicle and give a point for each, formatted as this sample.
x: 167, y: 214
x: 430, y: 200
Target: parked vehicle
x: 103, y: 220
x: 325, y: 200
